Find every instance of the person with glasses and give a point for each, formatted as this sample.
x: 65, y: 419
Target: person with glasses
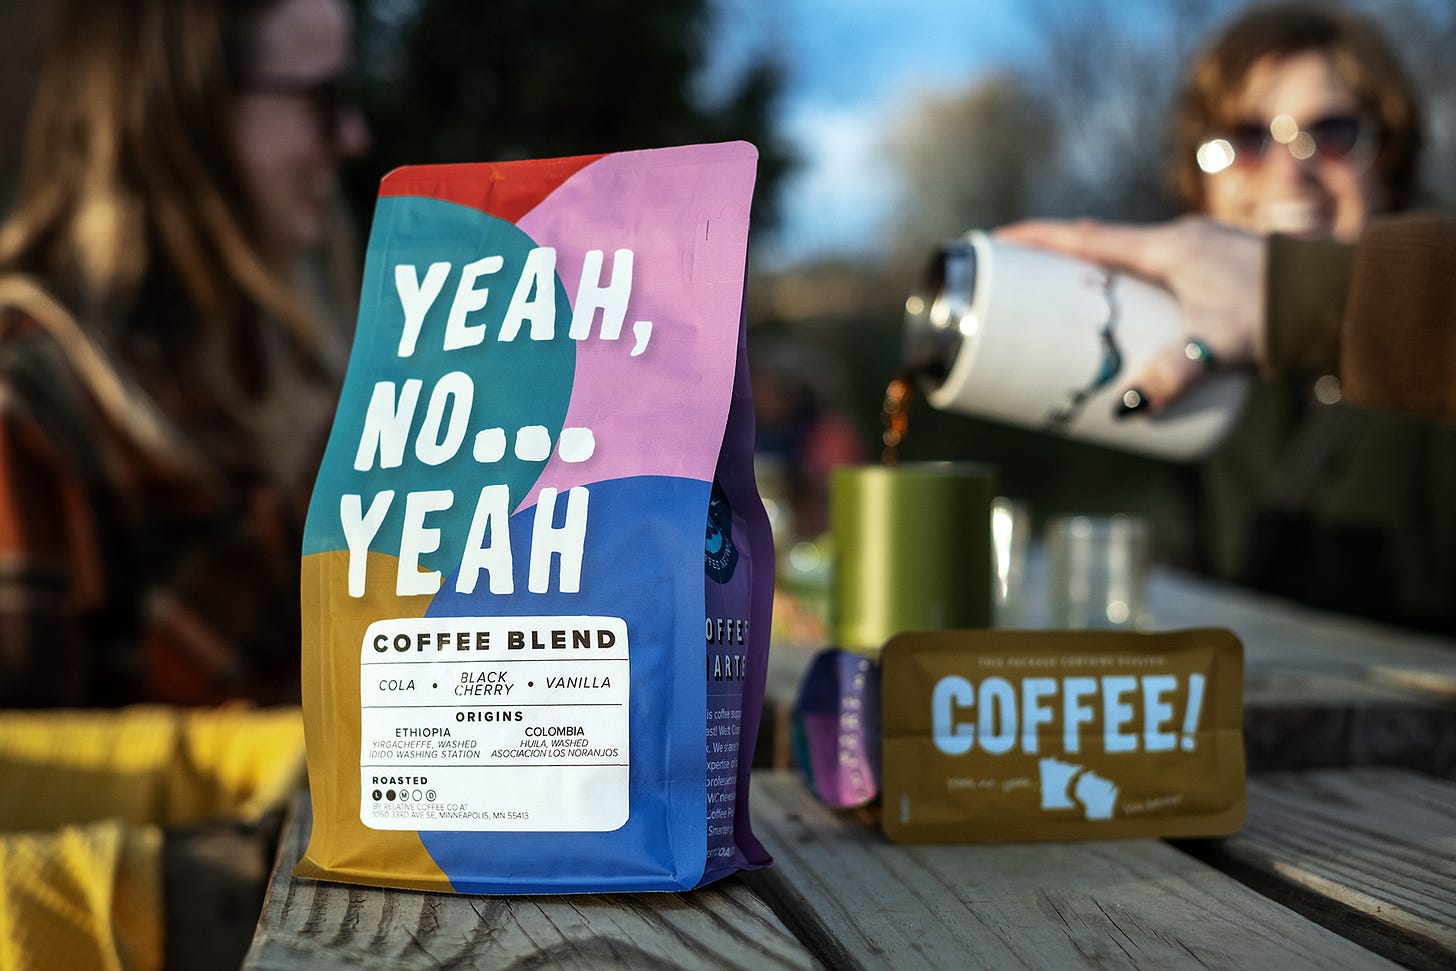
x: 1297, y: 138
x: 171, y: 344
x: 1297, y: 120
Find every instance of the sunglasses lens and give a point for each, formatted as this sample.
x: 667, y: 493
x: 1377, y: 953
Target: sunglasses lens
x: 1249, y: 142
x: 1335, y: 137
x: 330, y: 100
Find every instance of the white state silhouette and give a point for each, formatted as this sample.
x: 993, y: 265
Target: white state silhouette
x: 1060, y: 781
x: 1056, y: 779
x: 1097, y: 795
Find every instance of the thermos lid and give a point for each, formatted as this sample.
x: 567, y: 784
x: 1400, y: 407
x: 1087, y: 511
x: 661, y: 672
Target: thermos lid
x: 937, y: 314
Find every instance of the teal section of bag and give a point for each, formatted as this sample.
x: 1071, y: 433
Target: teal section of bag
x: 434, y: 424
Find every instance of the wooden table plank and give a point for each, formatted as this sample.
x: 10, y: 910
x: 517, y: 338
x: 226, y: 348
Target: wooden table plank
x: 1370, y: 853
x: 863, y: 902
x: 1306, y: 716
x: 1283, y: 634
x: 313, y: 925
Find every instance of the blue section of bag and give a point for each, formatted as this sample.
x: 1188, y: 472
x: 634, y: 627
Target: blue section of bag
x: 644, y: 562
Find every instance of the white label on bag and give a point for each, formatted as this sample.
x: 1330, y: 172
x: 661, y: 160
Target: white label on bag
x: 494, y: 723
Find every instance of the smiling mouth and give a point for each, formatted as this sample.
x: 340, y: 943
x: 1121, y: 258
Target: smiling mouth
x: 1296, y: 217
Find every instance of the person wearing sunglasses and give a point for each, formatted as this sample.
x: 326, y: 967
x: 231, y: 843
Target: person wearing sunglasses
x: 171, y: 347
x: 1297, y: 120
x: 1296, y: 140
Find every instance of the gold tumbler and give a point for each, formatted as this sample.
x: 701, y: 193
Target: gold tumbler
x: 912, y: 550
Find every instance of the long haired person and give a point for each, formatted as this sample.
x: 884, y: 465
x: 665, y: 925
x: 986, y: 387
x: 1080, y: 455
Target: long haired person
x: 170, y: 347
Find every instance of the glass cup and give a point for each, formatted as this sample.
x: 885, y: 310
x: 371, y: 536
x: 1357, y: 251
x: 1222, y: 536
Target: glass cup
x: 1097, y: 571
x: 1010, y: 534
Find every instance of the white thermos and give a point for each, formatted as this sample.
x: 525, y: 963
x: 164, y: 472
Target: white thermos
x: 1036, y: 339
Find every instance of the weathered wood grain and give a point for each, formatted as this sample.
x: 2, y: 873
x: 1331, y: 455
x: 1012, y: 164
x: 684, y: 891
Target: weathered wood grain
x: 311, y: 926
x: 863, y: 902
x: 1322, y: 689
x: 1306, y: 716
x: 1278, y: 632
x: 1370, y: 853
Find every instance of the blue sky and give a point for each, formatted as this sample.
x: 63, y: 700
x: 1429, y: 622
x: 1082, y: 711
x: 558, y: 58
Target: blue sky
x: 853, y: 66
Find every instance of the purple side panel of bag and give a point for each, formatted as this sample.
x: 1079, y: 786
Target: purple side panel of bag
x: 836, y: 728
x: 737, y: 656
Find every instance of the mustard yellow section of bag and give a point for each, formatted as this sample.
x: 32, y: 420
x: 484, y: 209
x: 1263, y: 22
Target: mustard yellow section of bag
x: 341, y: 847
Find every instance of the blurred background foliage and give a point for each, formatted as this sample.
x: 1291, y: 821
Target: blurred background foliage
x: 464, y: 80
x: 1079, y: 128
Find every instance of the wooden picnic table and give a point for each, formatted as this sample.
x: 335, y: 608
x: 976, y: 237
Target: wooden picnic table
x: 1347, y: 860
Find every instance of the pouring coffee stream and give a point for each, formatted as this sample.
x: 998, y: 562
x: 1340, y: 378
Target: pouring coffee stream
x: 895, y: 415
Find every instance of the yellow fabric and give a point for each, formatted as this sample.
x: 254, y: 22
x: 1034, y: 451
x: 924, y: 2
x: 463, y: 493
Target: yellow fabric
x: 82, y: 897
x: 83, y: 797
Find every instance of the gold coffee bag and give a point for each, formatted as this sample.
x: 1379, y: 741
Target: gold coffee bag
x: 1022, y: 735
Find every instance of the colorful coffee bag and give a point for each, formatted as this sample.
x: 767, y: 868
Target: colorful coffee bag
x: 525, y: 669
x: 1019, y: 735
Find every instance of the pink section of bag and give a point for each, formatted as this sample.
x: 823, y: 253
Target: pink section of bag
x: 688, y: 337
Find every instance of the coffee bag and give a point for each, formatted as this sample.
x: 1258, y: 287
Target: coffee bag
x: 537, y: 573
x: 1018, y: 735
